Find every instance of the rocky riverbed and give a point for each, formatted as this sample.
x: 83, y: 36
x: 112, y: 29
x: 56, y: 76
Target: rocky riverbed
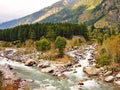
x: 81, y: 73
x: 10, y: 80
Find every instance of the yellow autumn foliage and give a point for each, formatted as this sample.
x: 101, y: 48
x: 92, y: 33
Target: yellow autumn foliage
x: 112, y: 46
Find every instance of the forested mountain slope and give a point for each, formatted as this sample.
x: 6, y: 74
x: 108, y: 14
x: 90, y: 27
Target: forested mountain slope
x: 101, y: 13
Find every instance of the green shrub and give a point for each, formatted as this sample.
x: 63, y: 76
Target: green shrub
x: 103, y: 50
x: 104, y: 59
x: 43, y: 44
x: 117, y: 57
x: 60, y: 43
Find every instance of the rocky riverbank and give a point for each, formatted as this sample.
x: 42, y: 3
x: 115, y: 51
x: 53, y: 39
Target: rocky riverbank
x: 83, y: 66
x: 10, y: 80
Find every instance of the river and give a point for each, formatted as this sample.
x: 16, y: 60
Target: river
x: 50, y: 82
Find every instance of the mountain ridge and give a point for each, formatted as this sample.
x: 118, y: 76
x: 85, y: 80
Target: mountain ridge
x: 101, y: 13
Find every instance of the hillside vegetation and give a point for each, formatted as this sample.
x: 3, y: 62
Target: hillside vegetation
x: 110, y: 51
x: 108, y: 40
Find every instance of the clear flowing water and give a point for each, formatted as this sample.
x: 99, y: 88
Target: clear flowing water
x: 50, y: 82
x: 40, y: 79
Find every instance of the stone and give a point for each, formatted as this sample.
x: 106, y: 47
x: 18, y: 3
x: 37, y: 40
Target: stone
x: 118, y: 75
x: 29, y: 80
x: 68, y: 64
x: 109, y: 78
x: 91, y: 70
x: 80, y: 83
x: 77, y: 65
x: 10, y: 67
x: 39, y: 65
x: 46, y: 64
x: 75, y: 47
x: 117, y: 79
x: 62, y: 76
x: 117, y: 82
x: 56, y: 73
x: 43, y: 64
x: 30, y: 62
x: 47, y: 70
x: 74, y: 71
x: 108, y: 73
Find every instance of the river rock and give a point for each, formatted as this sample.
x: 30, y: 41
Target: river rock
x: 74, y: 71
x: 39, y: 65
x: 47, y: 70
x: 10, y: 51
x: 77, y: 65
x: 118, y: 75
x: 117, y: 79
x: 108, y: 73
x: 62, y: 76
x: 68, y: 64
x: 75, y: 47
x: 91, y: 70
x: 117, y: 82
x: 80, y: 83
x: 44, y: 64
x: 29, y: 80
x: 109, y: 78
x: 56, y: 73
x: 10, y: 67
x: 30, y: 62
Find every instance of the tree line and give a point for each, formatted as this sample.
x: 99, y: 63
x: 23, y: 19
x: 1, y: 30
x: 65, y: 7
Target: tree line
x: 48, y: 30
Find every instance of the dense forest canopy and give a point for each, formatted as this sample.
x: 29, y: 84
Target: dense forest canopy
x: 49, y: 30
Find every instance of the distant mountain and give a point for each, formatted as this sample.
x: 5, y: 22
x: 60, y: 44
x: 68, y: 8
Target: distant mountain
x: 98, y: 12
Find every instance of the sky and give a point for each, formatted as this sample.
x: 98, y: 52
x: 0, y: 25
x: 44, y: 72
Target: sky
x: 13, y: 9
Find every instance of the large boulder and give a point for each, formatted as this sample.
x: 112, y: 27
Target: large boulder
x: 39, y: 65
x: 30, y: 62
x: 44, y: 64
x: 47, y: 70
x: 91, y: 70
x: 109, y: 78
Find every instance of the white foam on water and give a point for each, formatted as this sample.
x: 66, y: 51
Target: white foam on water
x: 4, y: 61
x: 76, y: 87
x: 37, y: 82
x: 80, y: 74
x: 48, y: 81
x: 71, y: 53
x: 90, y: 85
x: 50, y: 88
x: 83, y: 62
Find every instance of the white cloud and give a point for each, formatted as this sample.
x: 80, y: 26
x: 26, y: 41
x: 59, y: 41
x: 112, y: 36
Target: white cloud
x: 10, y: 9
